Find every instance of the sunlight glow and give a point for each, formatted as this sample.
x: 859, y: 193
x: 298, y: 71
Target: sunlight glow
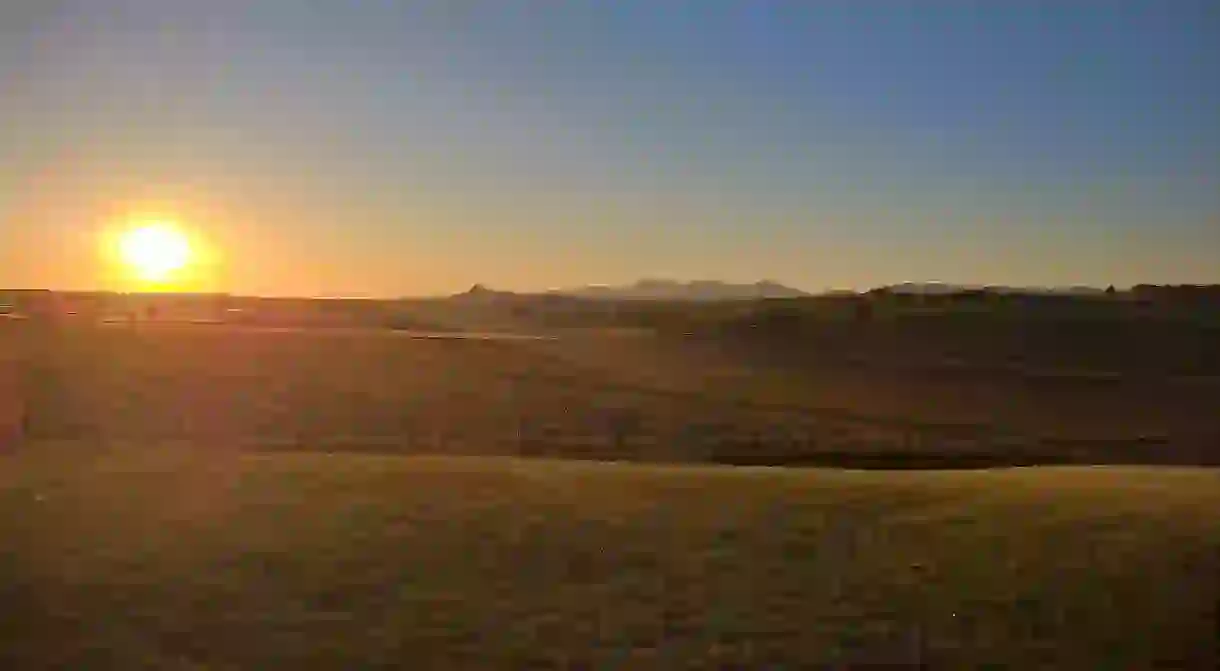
x: 155, y: 252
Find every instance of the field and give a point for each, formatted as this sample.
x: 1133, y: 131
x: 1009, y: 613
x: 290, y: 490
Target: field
x: 196, y: 559
x: 221, y: 497
x: 589, y: 393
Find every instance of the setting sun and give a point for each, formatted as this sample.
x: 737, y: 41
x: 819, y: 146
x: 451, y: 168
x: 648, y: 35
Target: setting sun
x: 155, y: 252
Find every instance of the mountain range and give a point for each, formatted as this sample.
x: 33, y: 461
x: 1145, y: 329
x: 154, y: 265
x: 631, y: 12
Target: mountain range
x: 672, y: 290
x: 712, y: 290
x: 940, y: 288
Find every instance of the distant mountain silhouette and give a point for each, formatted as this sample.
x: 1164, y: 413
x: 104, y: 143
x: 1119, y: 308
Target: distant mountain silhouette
x: 712, y: 290
x: 940, y: 288
x: 929, y: 288
x: 480, y: 293
x: 672, y: 290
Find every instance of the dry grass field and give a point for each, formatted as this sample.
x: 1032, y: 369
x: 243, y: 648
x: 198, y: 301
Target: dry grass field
x: 198, y: 559
x: 585, y: 394
x: 187, y: 498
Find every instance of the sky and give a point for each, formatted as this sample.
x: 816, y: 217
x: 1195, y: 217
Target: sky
x: 390, y: 148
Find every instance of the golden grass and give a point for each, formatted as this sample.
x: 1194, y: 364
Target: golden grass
x: 195, y: 559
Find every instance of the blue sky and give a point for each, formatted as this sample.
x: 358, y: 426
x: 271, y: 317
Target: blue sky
x: 390, y: 148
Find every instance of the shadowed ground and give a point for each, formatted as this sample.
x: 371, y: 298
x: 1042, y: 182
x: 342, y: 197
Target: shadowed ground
x: 586, y: 396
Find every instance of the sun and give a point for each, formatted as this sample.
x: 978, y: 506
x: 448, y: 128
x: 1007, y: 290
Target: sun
x: 155, y: 252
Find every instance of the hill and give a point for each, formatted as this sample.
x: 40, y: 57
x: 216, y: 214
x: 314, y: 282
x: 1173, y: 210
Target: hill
x: 940, y: 288
x: 671, y: 290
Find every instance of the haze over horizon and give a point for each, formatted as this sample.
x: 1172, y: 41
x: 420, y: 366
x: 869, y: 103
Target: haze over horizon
x: 418, y: 148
